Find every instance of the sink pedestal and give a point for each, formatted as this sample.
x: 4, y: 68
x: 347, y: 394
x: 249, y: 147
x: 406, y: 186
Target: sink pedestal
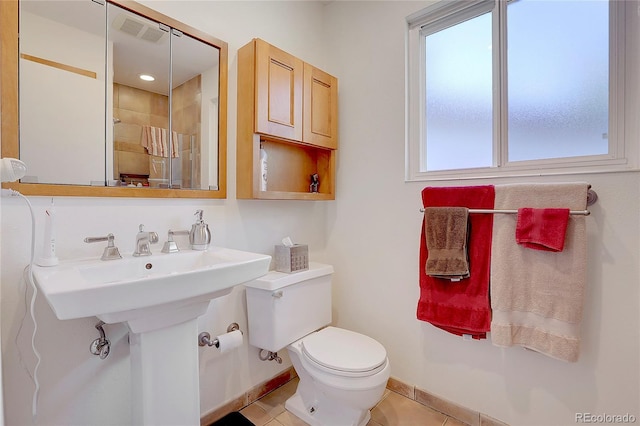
x: 165, y: 371
x: 164, y: 374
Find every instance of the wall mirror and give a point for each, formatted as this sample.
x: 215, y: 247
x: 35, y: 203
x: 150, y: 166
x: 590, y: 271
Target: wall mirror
x: 115, y: 99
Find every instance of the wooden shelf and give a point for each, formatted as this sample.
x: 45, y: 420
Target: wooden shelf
x: 281, y: 195
x: 290, y: 166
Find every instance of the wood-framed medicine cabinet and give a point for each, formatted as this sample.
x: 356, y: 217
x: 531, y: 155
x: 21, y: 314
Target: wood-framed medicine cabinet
x: 74, y: 110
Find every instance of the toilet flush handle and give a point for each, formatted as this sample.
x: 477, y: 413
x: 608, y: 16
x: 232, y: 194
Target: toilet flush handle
x: 277, y: 294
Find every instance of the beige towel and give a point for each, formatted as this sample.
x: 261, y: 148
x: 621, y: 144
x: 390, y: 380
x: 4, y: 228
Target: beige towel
x: 537, y: 296
x: 446, y: 237
x: 154, y: 139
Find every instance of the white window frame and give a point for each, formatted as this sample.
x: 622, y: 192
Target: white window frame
x: 624, y: 95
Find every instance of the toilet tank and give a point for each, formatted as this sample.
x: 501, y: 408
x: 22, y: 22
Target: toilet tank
x: 283, y: 308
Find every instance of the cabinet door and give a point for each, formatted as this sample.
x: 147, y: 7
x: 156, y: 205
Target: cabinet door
x: 278, y: 92
x: 320, y: 108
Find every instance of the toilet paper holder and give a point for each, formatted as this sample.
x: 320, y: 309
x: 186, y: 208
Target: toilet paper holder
x: 204, y: 338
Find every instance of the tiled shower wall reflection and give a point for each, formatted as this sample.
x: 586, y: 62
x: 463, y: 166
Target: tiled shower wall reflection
x: 135, y: 108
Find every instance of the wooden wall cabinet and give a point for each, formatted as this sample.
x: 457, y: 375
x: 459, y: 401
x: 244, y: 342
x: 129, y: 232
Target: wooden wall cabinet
x: 320, y: 122
x: 290, y: 109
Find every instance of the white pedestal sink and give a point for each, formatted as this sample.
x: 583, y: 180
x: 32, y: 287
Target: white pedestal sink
x: 160, y: 298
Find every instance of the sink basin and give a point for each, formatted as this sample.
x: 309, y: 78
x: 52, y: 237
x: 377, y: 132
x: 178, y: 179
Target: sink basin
x: 160, y: 298
x: 137, y: 287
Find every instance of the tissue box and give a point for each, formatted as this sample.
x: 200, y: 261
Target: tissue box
x: 292, y: 258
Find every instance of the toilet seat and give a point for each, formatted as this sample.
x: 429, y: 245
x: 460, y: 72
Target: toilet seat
x: 344, y: 352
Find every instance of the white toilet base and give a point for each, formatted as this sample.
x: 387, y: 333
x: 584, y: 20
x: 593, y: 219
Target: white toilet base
x: 323, y: 415
x: 327, y: 400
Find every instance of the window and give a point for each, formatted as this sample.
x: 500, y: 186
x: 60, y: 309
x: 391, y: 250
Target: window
x: 522, y: 87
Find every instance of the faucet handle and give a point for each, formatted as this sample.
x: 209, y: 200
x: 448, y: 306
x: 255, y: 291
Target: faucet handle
x: 153, y: 237
x: 170, y: 246
x: 111, y: 252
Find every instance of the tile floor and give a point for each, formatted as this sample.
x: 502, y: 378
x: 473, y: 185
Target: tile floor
x: 392, y: 410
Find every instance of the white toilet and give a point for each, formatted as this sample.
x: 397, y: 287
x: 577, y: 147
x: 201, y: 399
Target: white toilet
x: 342, y: 374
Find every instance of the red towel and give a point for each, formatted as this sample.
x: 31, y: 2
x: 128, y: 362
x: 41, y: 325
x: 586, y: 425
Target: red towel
x: 542, y: 229
x: 460, y: 307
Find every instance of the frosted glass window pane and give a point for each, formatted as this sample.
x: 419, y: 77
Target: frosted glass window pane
x: 558, y: 78
x: 458, y: 126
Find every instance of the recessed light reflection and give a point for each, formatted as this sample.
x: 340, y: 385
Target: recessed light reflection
x: 147, y: 77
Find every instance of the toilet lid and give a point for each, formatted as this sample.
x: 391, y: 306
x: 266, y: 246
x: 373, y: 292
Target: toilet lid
x: 344, y: 350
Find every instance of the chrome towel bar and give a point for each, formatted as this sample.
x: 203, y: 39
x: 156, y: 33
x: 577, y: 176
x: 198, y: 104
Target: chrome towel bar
x: 592, y: 197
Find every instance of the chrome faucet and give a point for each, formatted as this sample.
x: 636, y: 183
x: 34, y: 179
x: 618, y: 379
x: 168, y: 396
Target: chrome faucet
x: 110, y: 251
x: 144, y: 241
